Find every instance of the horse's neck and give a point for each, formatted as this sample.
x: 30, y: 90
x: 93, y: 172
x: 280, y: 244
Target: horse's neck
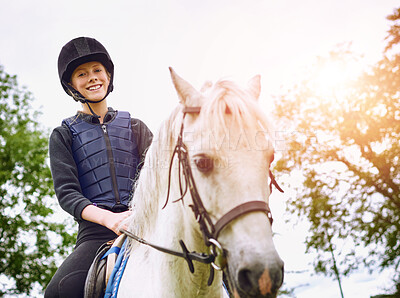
x: 172, y: 225
x: 153, y: 273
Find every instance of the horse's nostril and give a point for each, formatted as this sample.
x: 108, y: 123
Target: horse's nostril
x: 247, y: 281
x: 260, y: 280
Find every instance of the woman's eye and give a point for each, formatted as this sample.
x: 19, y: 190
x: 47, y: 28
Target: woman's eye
x: 81, y: 74
x: 204, y: 164
x: 97, y: 70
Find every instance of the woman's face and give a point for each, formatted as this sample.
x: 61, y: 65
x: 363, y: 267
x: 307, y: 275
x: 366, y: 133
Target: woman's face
x: 91, y: 80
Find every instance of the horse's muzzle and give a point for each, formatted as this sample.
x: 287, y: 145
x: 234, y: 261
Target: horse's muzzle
x: 256, y: 280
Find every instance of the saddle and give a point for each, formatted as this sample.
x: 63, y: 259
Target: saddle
x: 102, y: 267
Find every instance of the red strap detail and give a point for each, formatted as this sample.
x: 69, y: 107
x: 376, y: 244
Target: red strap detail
x: 191, y: 110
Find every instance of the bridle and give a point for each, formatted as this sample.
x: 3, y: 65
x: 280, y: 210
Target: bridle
x: 209, y: 230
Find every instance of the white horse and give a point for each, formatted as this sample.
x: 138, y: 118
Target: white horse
x: 229, y: 151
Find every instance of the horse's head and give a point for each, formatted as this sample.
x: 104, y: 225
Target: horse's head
x: 229, y: 152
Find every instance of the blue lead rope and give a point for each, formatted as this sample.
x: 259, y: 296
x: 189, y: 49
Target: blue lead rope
x: 116, y: 274
x: 113, y: 249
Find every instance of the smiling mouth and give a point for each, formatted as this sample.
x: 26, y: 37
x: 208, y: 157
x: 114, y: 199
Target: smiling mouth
x: 94, y: 88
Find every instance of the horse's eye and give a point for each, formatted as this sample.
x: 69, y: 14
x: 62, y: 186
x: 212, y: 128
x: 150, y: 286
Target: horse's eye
x: 204, y: 163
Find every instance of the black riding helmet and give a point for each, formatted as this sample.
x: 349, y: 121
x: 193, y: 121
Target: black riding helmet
x: 76, y: 52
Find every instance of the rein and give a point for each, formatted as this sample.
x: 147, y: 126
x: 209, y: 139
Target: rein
x: 188, y: 256
x: 210, y: 231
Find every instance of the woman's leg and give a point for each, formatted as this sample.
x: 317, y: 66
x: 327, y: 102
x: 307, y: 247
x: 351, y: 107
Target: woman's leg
x: 69, y: 280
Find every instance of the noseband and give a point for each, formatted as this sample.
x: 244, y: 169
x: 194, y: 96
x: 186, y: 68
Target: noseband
x: 210, y: 230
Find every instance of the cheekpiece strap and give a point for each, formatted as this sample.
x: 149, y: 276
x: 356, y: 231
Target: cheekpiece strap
x: 191, y: 110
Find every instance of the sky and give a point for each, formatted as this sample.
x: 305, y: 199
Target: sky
x: 201, y: 40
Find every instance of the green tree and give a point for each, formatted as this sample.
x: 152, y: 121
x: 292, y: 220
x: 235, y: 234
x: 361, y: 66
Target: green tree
x: 31, y: 239
x: 344, y: 137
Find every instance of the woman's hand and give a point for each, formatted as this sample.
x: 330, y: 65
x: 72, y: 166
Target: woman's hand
x: 111, y: 220
x: 115, y: 221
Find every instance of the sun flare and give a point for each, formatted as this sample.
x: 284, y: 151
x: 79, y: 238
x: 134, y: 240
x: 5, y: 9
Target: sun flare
x: 332, y: 77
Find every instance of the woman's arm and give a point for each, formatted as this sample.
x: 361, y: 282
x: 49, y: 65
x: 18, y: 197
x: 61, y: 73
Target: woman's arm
x: 105, y: 217
x: 143, y: 136
x: 65, y: 173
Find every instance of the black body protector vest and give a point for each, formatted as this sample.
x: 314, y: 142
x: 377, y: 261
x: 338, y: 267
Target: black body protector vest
x: 107, y: 159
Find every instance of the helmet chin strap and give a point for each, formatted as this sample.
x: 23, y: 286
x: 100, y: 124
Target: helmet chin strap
x: 87, y: 101
x: 77, y: 96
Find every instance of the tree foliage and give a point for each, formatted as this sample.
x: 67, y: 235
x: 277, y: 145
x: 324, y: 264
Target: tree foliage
x: 344, y: 138
x: 30, y: 239
x: 394, y: 31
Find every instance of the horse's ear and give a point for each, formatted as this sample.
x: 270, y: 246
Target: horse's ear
x: 254, y: 86
x: 206, y: 85
x: 186, y: 92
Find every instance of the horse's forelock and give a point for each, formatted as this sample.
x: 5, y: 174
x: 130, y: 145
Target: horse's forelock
x: 226, y: 98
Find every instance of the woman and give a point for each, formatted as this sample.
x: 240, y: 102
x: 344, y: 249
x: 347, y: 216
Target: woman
x: 95, y: 157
